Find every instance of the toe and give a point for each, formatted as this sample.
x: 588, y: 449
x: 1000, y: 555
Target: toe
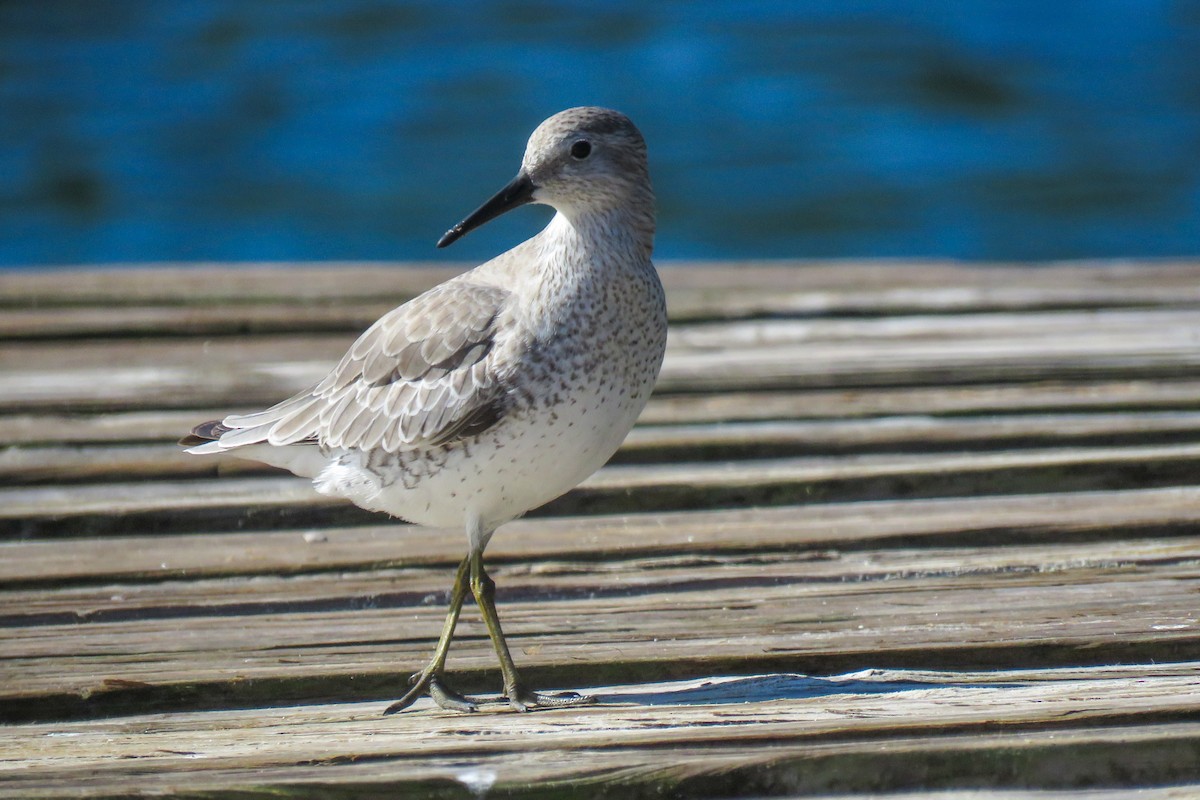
x: 524, y: 700
x: 449, y: 699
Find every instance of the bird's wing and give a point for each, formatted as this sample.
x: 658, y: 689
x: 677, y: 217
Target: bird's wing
x: 425, y: 374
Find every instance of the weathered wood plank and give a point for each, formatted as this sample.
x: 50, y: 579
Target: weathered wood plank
x: 32, y: 465
x: 1176, y: 792
x: 206, y: 283
x: 697, y: 290
x: 174, y: 374
x: 923, y: 465
x: 153, y: 425
x: 764, y: 439
x: 22, y: 324
x: 768, y: 611
x: 1098, y: 516
x: 93, y: 509
x: 767, y: 731
x: 1016, y: 398
x: 1009, y: 327
x: 946, y: 363
x: 624, y: 613
x: 1017, y: 331
x: 41, y: 427
x: 332, y: 581
x: 273, y: 317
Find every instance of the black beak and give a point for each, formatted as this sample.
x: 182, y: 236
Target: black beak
x: 518, y: 192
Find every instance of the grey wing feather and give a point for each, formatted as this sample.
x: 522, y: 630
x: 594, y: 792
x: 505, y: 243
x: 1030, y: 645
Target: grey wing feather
x: 423, y: 375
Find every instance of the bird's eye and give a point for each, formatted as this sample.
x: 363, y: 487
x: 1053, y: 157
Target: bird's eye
x: 581, y: 149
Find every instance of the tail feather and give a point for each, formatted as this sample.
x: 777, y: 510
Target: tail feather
x: 270, y: 415
x: 205, y: 432
x: 238, y: 430
x: 217, y: 435
x: 240, y: 437
x: 225, y: 436
x: 295, y: 415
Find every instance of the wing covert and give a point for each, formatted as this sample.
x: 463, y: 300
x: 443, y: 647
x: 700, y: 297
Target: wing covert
x: 423, y: 375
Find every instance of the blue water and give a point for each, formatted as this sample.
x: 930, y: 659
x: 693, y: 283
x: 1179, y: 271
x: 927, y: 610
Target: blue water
x: 155, y: 130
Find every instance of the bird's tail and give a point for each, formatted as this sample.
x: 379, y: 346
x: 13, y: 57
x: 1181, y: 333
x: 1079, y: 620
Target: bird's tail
x: 205, y: 436
x: 251, y: 436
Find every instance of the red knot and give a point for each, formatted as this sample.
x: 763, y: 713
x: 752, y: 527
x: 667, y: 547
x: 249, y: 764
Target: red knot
x: 500, y: 389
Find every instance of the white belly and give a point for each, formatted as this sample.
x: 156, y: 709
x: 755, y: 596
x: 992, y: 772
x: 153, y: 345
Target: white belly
x: 522, y: 463
x: 578, y: 393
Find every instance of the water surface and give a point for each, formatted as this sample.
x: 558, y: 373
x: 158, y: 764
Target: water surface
x: 349, y: 129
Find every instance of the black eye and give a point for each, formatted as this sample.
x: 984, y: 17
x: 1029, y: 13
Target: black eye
x: 581, y: 149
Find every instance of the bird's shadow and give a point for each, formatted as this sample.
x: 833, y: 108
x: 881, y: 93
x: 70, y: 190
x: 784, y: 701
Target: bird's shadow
x: 780, y: 686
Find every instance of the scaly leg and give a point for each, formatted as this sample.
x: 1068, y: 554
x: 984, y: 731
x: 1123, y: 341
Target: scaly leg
x: 431, y: 679
x: 519, y: 696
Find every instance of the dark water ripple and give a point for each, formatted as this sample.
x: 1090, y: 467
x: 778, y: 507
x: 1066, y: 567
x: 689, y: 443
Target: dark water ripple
x: 134, y: 130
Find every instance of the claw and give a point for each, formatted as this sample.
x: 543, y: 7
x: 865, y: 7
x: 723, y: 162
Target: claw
x: 526, y: 700
x: 418, y: 683
x: 432, y: 682
x: 449, y: 699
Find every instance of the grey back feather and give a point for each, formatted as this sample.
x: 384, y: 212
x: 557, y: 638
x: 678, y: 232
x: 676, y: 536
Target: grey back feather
x: 423, y: 375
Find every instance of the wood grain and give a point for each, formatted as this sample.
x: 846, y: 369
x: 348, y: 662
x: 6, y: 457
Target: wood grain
x: 883, y: 528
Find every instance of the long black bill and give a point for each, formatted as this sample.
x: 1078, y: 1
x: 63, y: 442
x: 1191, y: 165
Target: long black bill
x: 518, y: 192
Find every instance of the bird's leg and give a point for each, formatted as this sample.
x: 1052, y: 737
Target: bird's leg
x: 430, y: 679
x: 519, y: 696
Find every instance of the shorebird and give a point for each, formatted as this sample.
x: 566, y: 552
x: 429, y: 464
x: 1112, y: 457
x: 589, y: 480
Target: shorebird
x: 500, y: 389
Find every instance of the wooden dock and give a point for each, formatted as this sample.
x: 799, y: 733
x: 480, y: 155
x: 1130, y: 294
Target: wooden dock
x: 884, y: 527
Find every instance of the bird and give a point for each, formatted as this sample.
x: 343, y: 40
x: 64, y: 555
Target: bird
x: 498, y: 390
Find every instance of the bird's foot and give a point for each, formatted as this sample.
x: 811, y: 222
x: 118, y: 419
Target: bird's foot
x: 522, y: 699
x: 433, y: 683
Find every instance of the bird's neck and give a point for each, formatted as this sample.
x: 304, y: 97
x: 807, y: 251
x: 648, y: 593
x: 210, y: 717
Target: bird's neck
x: 585, y: 257
x: 618, y: 235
